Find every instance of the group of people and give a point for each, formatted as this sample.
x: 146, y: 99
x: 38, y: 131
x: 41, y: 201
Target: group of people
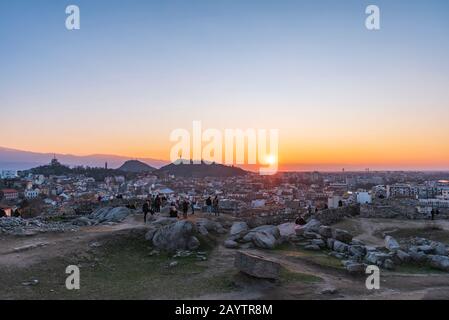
x: 152, y: 206
x: 183, y: 205
x: 212, y: 205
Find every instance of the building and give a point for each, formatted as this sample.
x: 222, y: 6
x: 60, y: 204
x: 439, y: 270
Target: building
x: 334, y: 202
x: 445, y: 194
x: 8, y: 174
x: 8, y: 210
x: 31, y: 194
x: 10, y: 194
x: 401, y: 191
x: 364, y: 197
x: 258, y: 203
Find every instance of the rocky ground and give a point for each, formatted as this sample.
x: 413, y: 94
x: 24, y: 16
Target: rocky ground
x: 207, y: 257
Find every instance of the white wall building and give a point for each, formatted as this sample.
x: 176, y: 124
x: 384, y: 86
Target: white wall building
x: 334, y: 201
x: 8, y: 174
x: 364, y: 197
x: 259, y: 203
x: 31, y: 194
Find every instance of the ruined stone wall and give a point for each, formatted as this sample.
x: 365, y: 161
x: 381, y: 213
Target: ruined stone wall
x: 389, y: 209
x: 331, y: 216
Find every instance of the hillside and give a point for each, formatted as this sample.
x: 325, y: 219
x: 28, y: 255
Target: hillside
x: 136, y: 166
x: 201, y: 170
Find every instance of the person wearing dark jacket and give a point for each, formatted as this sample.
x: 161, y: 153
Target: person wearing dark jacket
x: 145, y: 209
x: 185, y: 208
x: 215, y: 206
x: 157, y: 204
x: 209, y: 205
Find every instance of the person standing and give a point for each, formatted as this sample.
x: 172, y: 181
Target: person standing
x: 192, y: 205
x: 215, y: 205
x: 145, y: 209
x: 157, y: 204
x: 209, y: 205
x: 185, y: 208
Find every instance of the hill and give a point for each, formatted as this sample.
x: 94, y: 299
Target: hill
x: 201, y: 170
x: 136, y: 166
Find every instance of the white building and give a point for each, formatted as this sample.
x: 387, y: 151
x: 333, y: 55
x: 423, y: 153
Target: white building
x: 31, y: 194
x: 9, y: 174
x: 334, y: 202
x: 259, y: 203
x: 401, y: 191
x: 445, y: 194
x: 364, y: 197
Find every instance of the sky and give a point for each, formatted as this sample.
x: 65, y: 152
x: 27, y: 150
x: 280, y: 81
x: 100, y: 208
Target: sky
x: 340, y: 94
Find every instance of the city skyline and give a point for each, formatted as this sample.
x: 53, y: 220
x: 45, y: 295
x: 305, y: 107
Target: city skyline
x: 341, y: 95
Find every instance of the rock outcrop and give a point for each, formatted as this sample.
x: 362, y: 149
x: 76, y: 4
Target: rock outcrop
x: 257, y: 266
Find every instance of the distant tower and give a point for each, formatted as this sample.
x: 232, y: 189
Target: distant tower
x: 106, y: 165
x: 54, y: 162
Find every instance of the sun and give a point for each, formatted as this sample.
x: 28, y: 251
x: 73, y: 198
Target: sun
x: 270, y: 159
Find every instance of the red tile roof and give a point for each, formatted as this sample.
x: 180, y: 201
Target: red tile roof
x: 9, y: 191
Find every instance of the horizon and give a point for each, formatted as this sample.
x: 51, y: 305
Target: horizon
x: 245, y: 167
x: 341, y: 96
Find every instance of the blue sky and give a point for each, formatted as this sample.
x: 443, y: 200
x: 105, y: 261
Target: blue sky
x: 310, y: 68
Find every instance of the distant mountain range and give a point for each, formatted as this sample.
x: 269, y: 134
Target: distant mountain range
x: 12, y: 159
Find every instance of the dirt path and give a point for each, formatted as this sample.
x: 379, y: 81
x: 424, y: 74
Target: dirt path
x: 25, y: 251
x: 367, y: 229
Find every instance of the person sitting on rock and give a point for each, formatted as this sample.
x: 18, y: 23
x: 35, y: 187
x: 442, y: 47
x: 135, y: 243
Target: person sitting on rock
x: 300, y: 221
x: 173, y: 212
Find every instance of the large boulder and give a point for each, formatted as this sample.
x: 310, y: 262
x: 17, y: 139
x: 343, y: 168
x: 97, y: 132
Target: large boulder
x: 312, y: 226
x: 319, y: 242
x: 439, y: 262
x: 108, y: 214
x: 418, y: 256
x: 427, y: 249
x: 273, y: 231
x: 376, y: 258
x: 176, y: 236
x: 163, y: 221
x: 209, y: 225
x: 264, y: 240
x: 257, y: 266
x: 270, y: 229
x: 312, y: 247
x: 287, y: 229
x: 391, y: 243
x: 238, y: 229
x: 355, y: 267
x: 403, y: 256
x: 340, y: 246
x: 231, y: 244
x: 439, y: 248
x: 357, y: 251
x: 342, y: 235
x: 325, y: 231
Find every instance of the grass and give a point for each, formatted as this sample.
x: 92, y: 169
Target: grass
x: 416, y: 269
x: 317, y: 257
x: 434, y: 233
x: 350, y: 225
x: 119, y: 269
x: 288, y: 276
